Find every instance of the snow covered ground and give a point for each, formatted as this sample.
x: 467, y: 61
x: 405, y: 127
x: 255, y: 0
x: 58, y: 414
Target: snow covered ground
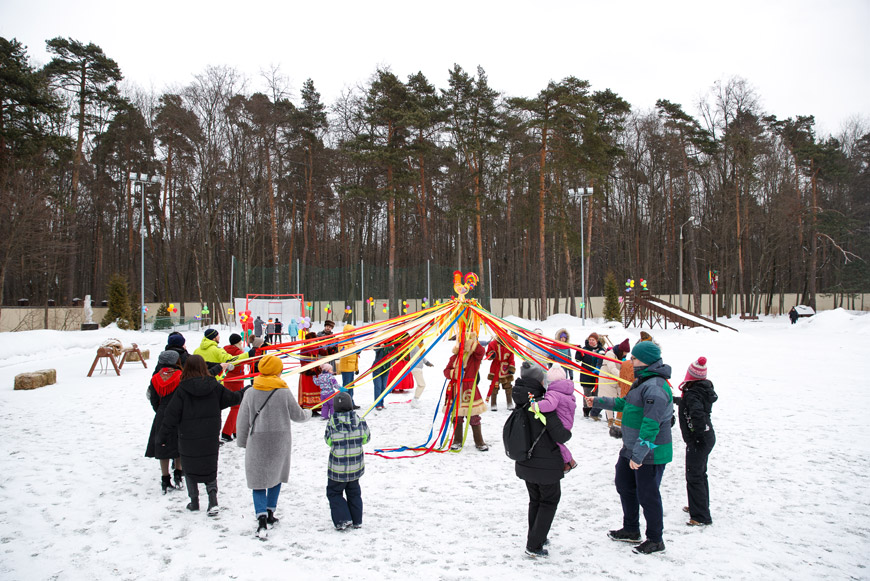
x: 789, y: 476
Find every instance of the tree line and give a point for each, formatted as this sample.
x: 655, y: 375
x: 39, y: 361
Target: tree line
x: 397, y: 172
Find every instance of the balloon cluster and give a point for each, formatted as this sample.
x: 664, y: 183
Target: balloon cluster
x: 371, y: 301
x: 144, y: 308
x: 205, y: 310
x: 405, y: 307
x: 231, y: 311
x: 347, y: 310
x: 244, y: 316
x: 629, y: 284
x: 304, y: 322
x: 327, y: 309
x: 386, y: 308
x: 643, y: 284
x: 172, y: 308
x: 425, y: 302
x: 309, y: 307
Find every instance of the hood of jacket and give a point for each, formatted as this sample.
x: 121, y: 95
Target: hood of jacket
x: 207, y: 343
x: 345, y: 421
x: 525, y: 387
x: 656, y: 368
x: 565, y: 386
x: 702, y: 387
x: 198, y: 386
x: 233, y: 350
x: 567, y: 335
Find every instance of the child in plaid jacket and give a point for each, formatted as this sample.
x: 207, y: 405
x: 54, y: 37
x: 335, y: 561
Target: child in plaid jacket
x: 346, y: 434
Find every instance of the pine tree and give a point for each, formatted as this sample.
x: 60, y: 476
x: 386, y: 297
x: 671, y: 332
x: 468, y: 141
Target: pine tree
x: 135, y: 308
x: 119, y: 302
x: 611, y: 298
x: 163, y: 319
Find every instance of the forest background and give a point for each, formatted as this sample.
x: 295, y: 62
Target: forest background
x: 397, y: 173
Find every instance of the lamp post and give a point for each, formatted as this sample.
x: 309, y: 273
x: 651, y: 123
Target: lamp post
x: 139, y: 180
x: 582, y: 193
x: 694, y: 223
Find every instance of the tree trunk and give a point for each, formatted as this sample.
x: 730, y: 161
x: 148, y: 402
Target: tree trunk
x: 542, y: 206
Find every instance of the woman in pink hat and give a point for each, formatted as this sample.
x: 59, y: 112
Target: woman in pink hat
x: 695, y: 408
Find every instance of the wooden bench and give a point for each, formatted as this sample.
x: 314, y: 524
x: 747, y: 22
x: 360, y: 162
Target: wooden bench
x: 132, y: 353
x: 105, y: 353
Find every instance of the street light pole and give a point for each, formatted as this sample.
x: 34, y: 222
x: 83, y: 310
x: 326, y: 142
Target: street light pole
x: 139, y: 181
x: 691, y: 219
x: 582, y: 193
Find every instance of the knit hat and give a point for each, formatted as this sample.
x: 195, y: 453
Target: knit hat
x: 622, y: 349
x: 644, y: 336
x: 532, y: 371
x: 555, y: 373
x: 342, y: 402
x: 326, y: 367
x: 235, y: 338
x: 168, y: 358
x: 646, y: 352
x: 175, y: 340
x: 697, y: 370
x: 211, y: 334
x: 328, y: 323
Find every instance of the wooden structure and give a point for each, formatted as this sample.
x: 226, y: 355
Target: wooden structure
x: 640, y: 308
x: 109, y: 353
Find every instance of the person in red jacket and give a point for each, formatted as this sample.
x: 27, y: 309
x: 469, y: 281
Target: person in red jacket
x: 501, y: 372
x: 232, y: 384
x: 461, y: 371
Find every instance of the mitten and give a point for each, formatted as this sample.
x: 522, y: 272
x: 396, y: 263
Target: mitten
x: 490, y: 376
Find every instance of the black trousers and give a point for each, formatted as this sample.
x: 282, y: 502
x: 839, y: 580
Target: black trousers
x: 543, y: 500
x: 697, y: 487
x: 640, y: 489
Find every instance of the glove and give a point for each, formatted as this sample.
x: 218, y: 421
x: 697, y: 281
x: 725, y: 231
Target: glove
x: 490, y: 376
x: 230, y: 366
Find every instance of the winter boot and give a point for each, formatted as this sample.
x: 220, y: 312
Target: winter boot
x: 509, y: 396
x: 213, y: 508
x: 492, y: 400
x: 262, y: 530
x: 177, y: 474
x: 271, y: 518
x: 166, y: 483
x: 478, y: 438
x: 193, y: 493
x: 457, y: 434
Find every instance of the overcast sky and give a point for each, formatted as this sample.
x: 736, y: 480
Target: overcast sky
x: 803, y: 57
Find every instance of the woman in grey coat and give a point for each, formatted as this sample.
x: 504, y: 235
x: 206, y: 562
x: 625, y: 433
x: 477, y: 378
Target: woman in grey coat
x: 263, y: 429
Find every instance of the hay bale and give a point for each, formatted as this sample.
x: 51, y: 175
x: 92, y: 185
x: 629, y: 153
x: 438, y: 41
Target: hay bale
x: 50, y: 376
x: 29, y: 381
x: 133, y: 356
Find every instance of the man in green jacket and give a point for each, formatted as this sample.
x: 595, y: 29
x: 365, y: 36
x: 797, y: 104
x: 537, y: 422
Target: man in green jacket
x: 647, y: 410
x: 212, y: 352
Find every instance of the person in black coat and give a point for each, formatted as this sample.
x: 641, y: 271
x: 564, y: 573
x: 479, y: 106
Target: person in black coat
x: 545, y: 469
x: 195, y: 414
x: 590, y: 365
x: 161, y: 390
x: 694, y: 410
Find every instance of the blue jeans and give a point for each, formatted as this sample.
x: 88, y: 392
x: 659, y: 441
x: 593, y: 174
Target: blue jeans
x: 640, y: 488
x: 380, y: 386
x: 347, y: 379
x: 265, y: 500
x: 344, y: 510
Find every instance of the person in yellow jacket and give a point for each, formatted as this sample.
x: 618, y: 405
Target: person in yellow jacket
x: 213, y: 353
x: 348, y: 365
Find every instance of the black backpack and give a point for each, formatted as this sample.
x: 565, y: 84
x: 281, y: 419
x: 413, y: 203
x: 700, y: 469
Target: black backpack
x: 517, y: 434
